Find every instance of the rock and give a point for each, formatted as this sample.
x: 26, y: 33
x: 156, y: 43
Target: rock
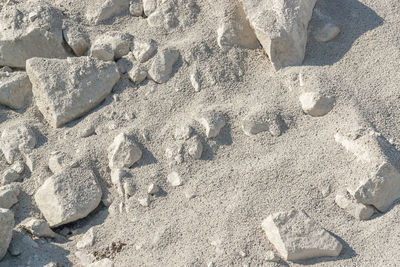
x: 326, y: 33
x: 213, y: 121
x: 138, y: 74
x: 37, y: 227
x: 20, y: 30
x: 123, y: 152
x: 68, y: 196
x: 235, y: 30
x: 88, y: 131
x: 271, y: 256
x: 316, y: 104
x: 194, y: 147
x: 6, y: 227
x: 9, y: 196
x: 111, y: 46
x: 357, y: 210
x: 156, y: 19
x: 260, y: 120
x: 174, y: 179
x: 58, y: 161
x: 136, y: 8
x: 84, y: 258
x: 17, y: 139
x: 125, y: 64
x: 18, y: 167
x: 149, y: 6
x: 195, y: 80
x: 102, y: 263
x: 153, y: 189
x: 174, y: 153
x: 298, y: 237
x: 281, y: 27
x: 15, y: 88
x: 144, y: 50
x: 10, y: 176
x: 183, y: 132
x: 66, y: 89
x: 77, y: 40
x: 129, y: 188
x: 87, y: 240
x: 145, y: 201
x: 99, y: 12
x: 161, y: 69
x: 117, y: 178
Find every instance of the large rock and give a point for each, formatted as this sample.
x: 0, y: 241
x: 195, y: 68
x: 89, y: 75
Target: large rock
x: 66, y: 89
x: 6, y: 227
x: 298, y: 237
x: 281, y: 28
x: 68, y: 196
x: 99, y: 12
x: 161, y: 68
x: 30, y: 29
x: 15, y: 87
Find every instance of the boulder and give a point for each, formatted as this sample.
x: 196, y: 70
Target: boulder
x: 15, y: 88
x: 298, y: 237
x: 98, y: 12
x: 9, y: 196
x: 123, y: 152
x: 316, y: 104
x: 30, y: 29
x: 68, y: 196
x: 6, y: 227
x: 281, y: 27
x: 161, y: 69
x: 65, y: 89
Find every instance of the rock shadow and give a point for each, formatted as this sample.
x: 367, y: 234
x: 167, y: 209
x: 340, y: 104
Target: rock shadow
x: 351, y: 16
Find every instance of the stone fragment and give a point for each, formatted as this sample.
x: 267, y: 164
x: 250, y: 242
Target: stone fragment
x: 84, y: 258
x: 125, y: 64
x: 174, y: 153
x: 15, y: 88
x: 9, y: 196
x: 123, y: 152
x: 174, y: 179
x: 138, y: 74
x: 18, y: 167
x: 77, y: 40
x: 235, y: 30
x: 281, y: 27
x: 213, y: 121
x: 298, y: 237
x: 195, y: 80
x: 88, y: 131
x: 316, y: 104
x: 117, y: 178
x: 156, y: 19
x: 271, y: 256
x: 37, y: 227
x: 259, y: 121
x: 58, y: 161
x: 101, y: 263
x: 183, y: 132
x: 68, y: 196
x: 17, y: 139
x: 10, y: 176
x: 66, y: 89
x: 99, y: 12
x: 129, y: 188
x: 112, y: 45
x: 194, y: 147
x: 144, y: 50
x: 136, y: 8
x: 6, y: 227
x: 357, y: 210
x: 161, y: 69
x: 326, y: 33
x: 144, y: 201
x: 153, y: 189
x: 87, y: 239
x: 24, y: 36
x: 149, y: 6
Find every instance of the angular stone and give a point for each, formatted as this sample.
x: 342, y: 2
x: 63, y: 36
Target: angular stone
x: 357, y: 210
x: 138, y: 74
x: 15, y: 88
x: 66, y: 89
x: 30, y: 29
x: 9, y: 196
x: 38, y: 227
x: 77, y: 40
x: 136, y: 8
x: 195, y: 80
x: 161, y: 68
x: 6, y: 227
x: 213, y: 121
x: 298, y: 237
x: 153, y: 189
x: 123, y: 152
x: 281, y: 27
x: 68, y: 196
x: 194, y: 147
x: 149, y: 6
x: 112, y: 43
x: 144, y: 201
x: 87, y: 239
x: 316, y: 104
x: 143, y: 50
x: 10, y: 176
x: 174, y: 179
x: 99, y: 12
x: 259, y: 120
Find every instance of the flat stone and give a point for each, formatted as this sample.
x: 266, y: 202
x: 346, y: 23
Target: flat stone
x: 6, y: 227
x: 123, y: 152
x: 161, y: 69
x: 15, y: 88
x: 281, y: 27
x: 66, y: 89
x: 38, y: 227
x: 68, y: 196
x: 9, y: 195
x: 298, y: 237
x: 144, y: 50
x: 316, y: 104
x: 99, y: 12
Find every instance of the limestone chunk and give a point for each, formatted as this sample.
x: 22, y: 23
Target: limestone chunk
x: 6, y: 227
x: 138, y: 74
x: 357, y: 210
x: 68, y: 196
x: 123, y: 152
x: 149, y: 6
x: 136, y: 8
x: 144, y: 50
x: 99, y: 12
x: 194, y: 147
x: 87, y: 239
x: 9, y: 196
x: 195, y: 80
x: 213, y: 121
x: 174, y: 179
x: 112, y: 45
x: 153, y: 189
x: 66, y: 89
x: 77, y: 40
x: 38, y: 227
x: 15, y: 88
x: 316, y: 104
x: 298, y: 237
x: 161, y: 69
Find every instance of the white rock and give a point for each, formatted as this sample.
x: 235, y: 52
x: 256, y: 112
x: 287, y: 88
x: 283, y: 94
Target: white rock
x: 149, y: 6
x: 156, y: 19
x: 58, y: 161
x: 102, y: 263
x: 174, y: 179
x: 213, y: 121
x: 66, y: 89
x: 99, y: 12
x: 195, y: 80
x: 9, y: 196
x: 77, y: 40
x: 136, y: 8
x: 357, y: 210
x: 161, y: 69
x: 145, y: 201
x: 17, y: 139
x: 19, y: 33
x: 123, y: 152
x: 138, y: 74
x: 68, y: 196
x: 84, y: 258
x: 326, y: 33
x: 153, y: 189
x: 6, y: 227
x: 194, y: 147
x: 18, y: 167
x: 281, y: 27
x: 111, y: 46
x: 183, y: 132
x: 144, y: 50
x: 271, y: 256
x: 87, y: 239
x: 37, y: 227
x: 316, y: 104
x: 117, y: 177
x: 174, y: 153
x: 15, y: 88
x: 129, y: 188
x: 298, y: 237
x: 235, y: 30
